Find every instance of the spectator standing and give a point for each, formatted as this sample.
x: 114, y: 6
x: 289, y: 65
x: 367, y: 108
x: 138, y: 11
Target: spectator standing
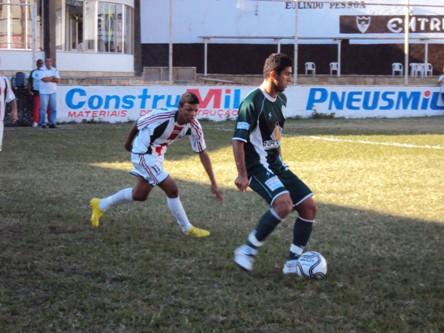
x: 441, y: 84
x: 6, y: 96
x: 48, y: 93
x: 33, y: 89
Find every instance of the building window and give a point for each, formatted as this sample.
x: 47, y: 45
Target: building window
x: 94, y: 26
x: 17, y: 23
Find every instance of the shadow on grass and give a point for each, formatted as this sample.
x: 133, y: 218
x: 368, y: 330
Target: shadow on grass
x: 138, y: 272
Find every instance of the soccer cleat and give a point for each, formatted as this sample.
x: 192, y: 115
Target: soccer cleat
x: 96, y: 212
x: 244, y: 257
x: 290, y: 267
x: 196, y: 232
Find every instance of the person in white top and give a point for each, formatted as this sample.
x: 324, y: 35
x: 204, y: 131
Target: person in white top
x: 48, y: 93
x: 441, y: 84
x: 6, y: 96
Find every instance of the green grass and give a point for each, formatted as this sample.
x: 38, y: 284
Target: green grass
x: 380, y: 226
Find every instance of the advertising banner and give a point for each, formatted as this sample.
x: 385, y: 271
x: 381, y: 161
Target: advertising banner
x: 122, y: 103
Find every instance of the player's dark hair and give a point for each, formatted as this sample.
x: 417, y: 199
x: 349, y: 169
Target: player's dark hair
x: 189, y: 97
x: 276, y: 62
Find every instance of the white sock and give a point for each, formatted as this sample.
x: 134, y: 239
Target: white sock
x: 296, y: 249
x: 176, y: 208
x: 119, y: 198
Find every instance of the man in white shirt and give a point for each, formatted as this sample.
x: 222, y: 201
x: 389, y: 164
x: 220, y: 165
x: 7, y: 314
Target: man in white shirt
x: 48, y: 96
x: 6, y: 96
x: 441, y: 84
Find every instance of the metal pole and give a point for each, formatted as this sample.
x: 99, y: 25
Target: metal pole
x: 406, y: 43
x: 34, y: 34
x: 205, y: 56
x: 296, y: 42
x: 339, y: 58
x: 170, y: 50
x: 426, y: 51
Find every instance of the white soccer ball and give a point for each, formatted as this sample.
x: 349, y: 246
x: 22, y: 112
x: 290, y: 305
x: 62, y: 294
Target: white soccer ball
x: 311, y: 265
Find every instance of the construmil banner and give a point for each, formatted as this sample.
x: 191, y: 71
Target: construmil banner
x: 122, y: 103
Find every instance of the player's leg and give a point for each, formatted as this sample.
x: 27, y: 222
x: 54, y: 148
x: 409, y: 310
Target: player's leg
x: 36, y: 110
x: 48, y: 111
x: 306, y: 207
x: 274, y: 192
x: 139, y: 193
x: 52, y: 110
x: 44, y: 101
x: 171, y: 190
x: 2, y: 125
x: 144, y: 169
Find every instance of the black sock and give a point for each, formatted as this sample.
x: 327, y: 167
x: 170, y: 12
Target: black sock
x: 301, y: 234
x: 267, y: 223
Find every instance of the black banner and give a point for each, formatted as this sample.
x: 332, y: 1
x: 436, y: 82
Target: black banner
x: 374, y: 24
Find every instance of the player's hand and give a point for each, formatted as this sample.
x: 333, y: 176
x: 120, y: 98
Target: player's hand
x: 217, y: 193
x: 241, y: 183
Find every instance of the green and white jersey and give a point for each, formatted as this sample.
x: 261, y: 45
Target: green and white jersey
x: 259, y: 124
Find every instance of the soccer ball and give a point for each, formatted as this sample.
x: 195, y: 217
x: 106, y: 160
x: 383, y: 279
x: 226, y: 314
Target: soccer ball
x: 311, y: 265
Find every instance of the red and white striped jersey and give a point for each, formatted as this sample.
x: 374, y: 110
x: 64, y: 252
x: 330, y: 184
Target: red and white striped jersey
x: 159, y: 129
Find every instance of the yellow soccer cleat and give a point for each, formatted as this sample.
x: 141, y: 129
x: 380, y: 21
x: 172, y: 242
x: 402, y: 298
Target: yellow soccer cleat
x: 196, y: 232
x: 96, y: 212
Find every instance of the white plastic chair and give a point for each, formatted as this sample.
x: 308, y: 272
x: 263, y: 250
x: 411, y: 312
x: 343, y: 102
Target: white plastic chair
x: 397, y: 68
x: 310, y: 66
x: 334, y: 66
x: 428, y: 69
x: 416, y: 69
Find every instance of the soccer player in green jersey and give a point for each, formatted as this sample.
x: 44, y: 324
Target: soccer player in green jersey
x: 257, y: 152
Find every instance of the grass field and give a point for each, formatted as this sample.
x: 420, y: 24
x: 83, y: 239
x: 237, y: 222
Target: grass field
x: 379, y: 188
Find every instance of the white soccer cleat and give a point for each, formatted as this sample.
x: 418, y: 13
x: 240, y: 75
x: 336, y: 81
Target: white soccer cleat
x: 290, y: 267
x: 244, y: 257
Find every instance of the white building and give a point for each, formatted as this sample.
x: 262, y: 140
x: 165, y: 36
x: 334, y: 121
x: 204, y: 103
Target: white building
x: 120, y: 37
x: 92, y: 37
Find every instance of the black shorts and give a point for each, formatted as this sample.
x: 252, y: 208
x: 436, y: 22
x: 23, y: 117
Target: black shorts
x: 270, y: 185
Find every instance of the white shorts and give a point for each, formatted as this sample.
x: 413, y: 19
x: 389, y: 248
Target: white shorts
x: 148, y: 167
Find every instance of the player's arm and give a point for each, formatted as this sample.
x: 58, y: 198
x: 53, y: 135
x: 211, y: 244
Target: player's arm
x: 241, y: 180
x: 14, y: 114
x: 131, y: 135
x: 206, y: 162
x: 56, y: 77
x: 29, y: 85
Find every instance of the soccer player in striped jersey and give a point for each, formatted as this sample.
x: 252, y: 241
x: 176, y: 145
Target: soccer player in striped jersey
x: 257, y: 152
x: 148, y: 141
